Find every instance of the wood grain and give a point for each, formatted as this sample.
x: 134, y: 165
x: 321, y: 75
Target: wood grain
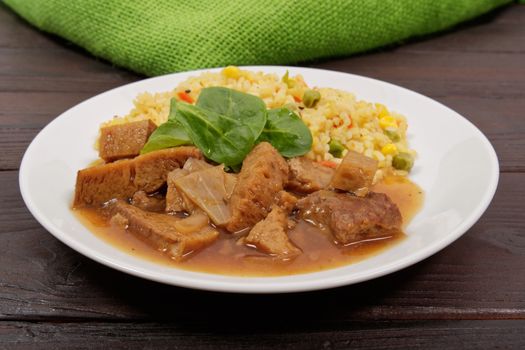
x: 355, y: 335
x: 470, y: 295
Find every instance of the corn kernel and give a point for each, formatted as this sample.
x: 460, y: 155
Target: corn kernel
x: 387, y: 121
x: 231, y: 72
x: 389, y: 148
x: 382, y: 111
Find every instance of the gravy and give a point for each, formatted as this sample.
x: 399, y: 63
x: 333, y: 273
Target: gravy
x: 226, y: 257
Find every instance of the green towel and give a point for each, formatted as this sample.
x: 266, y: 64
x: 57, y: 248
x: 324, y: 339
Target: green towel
x: 161, y: 36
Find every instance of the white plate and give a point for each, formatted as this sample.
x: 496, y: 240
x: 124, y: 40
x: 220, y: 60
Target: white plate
x: 457, y: 168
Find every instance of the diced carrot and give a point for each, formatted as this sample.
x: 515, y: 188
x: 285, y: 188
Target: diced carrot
x: 184, y: 96
x: 297, y: 99
x: 329, y: 164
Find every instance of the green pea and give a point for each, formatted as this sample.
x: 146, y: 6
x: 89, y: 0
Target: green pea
x: 403, y: 161
x: 392, y: 134
x: 310, y: 98
x: 336, y: 148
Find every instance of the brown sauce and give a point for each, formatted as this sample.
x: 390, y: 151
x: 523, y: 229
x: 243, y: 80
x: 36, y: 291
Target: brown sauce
x: 227, y: 257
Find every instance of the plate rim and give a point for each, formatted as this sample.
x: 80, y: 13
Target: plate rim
x: 262, y: 285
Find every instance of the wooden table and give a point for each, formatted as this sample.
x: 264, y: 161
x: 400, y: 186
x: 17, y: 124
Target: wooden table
x: 470, y: 295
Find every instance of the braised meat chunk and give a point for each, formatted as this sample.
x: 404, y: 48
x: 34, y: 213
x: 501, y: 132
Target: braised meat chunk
x: 307, y: 176
x: 355, y: 173
x: 149, y: 203
x: 121, y: 179
x: 264, y: 173
x: 98, y: 184
x: 161, y: 230
x: 124, y: 140
x: 285, y: 200
x: 269, y: 235
x: 351, y: 218
x: 151, y: 169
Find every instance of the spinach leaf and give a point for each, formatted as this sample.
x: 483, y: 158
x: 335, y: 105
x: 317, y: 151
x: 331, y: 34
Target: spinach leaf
x: 286, y: 131
x: 225, y: 125
x: 250, y: 110
x: 169, y: 134
x: 173, y: 109
x: 221, y: 138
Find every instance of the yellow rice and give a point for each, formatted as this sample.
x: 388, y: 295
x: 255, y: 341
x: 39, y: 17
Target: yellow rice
x: 358, y: 125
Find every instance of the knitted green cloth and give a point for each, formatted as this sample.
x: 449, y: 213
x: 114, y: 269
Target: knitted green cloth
x: 160, y: 36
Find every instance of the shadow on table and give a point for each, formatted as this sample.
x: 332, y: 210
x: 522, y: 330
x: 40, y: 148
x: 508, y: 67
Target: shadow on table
x: 227, y: 312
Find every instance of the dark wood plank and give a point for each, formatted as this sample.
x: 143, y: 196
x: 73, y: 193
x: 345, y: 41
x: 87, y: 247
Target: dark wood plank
x: 441, y: 74
x: 14, y: 141
x: 355, y: 335
x: 22, y: 116
x: 513, y: 14
x: 452, y: 73
x: 481, y: 276
x: 31, y: 60
x: 498, y: 31
x: 21, y: 109
x: 64, y: 69
x: 18, y: 33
